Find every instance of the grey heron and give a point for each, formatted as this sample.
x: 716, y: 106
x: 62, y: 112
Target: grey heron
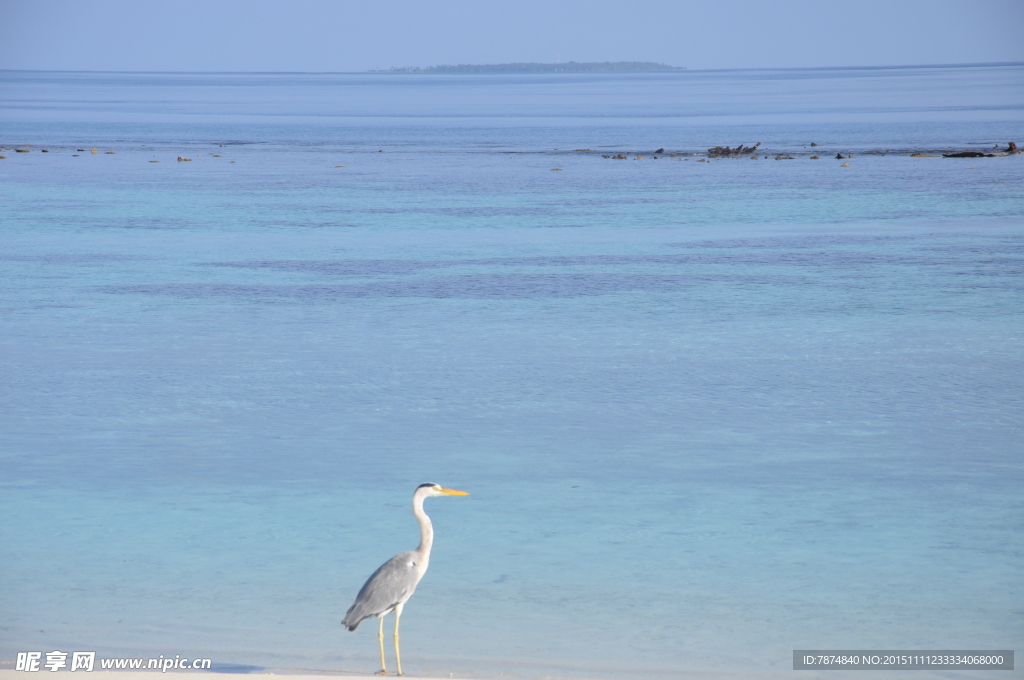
x: 391, y: 586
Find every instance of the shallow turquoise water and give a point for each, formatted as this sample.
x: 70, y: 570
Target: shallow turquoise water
x: 708, y: 412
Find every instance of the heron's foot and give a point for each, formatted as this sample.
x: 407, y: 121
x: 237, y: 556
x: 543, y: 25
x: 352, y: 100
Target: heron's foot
x: 382, y: 671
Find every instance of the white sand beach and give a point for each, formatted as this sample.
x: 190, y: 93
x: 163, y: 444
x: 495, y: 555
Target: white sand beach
x: 308, y: 674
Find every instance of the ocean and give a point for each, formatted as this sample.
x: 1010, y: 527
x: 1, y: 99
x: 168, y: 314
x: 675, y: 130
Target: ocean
x: 709, y: 410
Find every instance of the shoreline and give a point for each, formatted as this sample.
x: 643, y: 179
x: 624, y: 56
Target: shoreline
x: 308, y: 674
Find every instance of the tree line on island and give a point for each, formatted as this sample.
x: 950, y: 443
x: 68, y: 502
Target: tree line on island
x: 569, y: 67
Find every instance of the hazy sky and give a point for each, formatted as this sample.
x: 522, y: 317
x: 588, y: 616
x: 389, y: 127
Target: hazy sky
x: 339, y: 35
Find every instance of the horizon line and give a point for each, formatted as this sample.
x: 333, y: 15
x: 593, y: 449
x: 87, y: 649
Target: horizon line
x: 675, y: 69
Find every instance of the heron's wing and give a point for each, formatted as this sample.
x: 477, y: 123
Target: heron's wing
x: 392, y: 584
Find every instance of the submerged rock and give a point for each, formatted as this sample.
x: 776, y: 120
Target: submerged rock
x: 968, y: 154
x: 723, y: 151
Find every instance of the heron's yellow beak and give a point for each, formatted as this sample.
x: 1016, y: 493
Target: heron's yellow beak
x: 452, y: 492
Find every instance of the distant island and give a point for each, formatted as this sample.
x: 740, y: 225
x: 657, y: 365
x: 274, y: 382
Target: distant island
x: 570, y: 67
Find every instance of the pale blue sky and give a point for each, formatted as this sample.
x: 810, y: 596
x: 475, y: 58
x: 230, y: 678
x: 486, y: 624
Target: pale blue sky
x: 340, y: 35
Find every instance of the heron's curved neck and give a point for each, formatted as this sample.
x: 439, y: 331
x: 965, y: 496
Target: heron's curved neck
x: 426, y: 528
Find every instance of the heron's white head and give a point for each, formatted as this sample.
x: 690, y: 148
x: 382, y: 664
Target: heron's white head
x: 431, y: 489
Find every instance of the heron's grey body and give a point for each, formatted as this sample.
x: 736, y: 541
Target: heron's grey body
x: 391, y: 586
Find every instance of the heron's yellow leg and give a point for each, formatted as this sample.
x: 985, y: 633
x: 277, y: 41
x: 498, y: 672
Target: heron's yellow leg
x: 398, y: 653
x: 380, y: 638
